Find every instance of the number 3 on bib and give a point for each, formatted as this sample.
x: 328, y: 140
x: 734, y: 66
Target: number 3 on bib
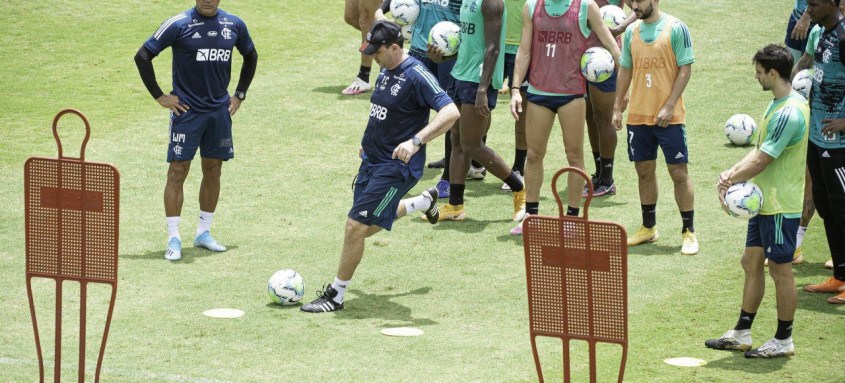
x: 648, y: 80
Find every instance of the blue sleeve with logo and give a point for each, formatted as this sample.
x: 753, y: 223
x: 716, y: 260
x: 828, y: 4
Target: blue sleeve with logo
x: 429, y: 92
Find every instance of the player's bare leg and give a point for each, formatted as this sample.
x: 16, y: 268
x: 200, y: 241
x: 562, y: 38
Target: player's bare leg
x: 209, y: 195
x: 571, y: 117
x: 177, y: 172
x: 360, y: 15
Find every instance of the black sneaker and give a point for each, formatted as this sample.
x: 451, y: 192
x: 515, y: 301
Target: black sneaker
x: 432, y: 214
x: 437, y: 164
x: 324, y: 303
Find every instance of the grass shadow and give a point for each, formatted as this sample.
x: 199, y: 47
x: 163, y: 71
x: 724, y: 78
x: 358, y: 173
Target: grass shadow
x: 817, y: 302
x: 189, y: 254
x: 381, y: 306
x: 736, y: 361
x: 655, y: 249
x: 275, y: 306
x: 336, y: 89
x: 468, y: 225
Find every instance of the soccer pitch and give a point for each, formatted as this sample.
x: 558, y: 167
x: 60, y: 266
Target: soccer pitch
x: 284, y: 201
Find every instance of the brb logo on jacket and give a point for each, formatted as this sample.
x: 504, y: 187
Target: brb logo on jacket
x: 213, y: 54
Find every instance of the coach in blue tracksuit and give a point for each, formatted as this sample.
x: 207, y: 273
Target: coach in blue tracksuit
x: 202, y: 39
x: 392, y: 152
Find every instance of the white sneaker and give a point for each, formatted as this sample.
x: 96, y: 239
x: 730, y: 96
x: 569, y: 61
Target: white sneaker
x: 772, y: 349
x: 506, y: 188
x: 174, y: 250
x: 358, y: 86
x: 517, y: 230
x: 475, y: 173
x: 732, y: 340
x: 690, y: 243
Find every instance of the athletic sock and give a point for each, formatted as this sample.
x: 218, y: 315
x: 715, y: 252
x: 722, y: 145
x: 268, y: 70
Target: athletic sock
x: 339, y: 286
x: 447, y: 156
x: 456, y: 194
x: 784, y: 329
x: 597, y: 161
x: 205, y: 222
x: 364, y: 73
x: 519, y: 161
x: 173, y: 228
x: 514, y: 182
x: 573, y: 211
x: 745, y: 320
x: 687, y: 221
x: 799, y: 238
x: 649, y: 215
x: 606, y: 175
x: 415, y: 204
x: 532, y: 208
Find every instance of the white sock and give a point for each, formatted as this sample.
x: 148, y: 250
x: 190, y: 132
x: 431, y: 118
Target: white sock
x: 799, y: 239
x: 205, y: 222
x: 415, y: 204
x: 173, y: 228
x: 340, y: 287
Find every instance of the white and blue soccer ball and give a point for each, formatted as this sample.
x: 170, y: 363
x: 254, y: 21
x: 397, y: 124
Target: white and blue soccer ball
x: 740, y: 129
x: 612, y: 15
x: 744, y: 200
x: 407, y: 32
x: 803, y: 82
x: 597, y: 64
x: 405, y: 12
x: 446, y: 36
x: 286, y: 287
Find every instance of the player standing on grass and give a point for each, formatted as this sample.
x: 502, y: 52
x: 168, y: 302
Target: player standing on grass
x: 600, y: 130
x: 201, y: 109
x: 513, y: 37
x: 359, y: 14
x: 431, y: 13
x: 777, y: 165
x: 826, y: 153
x: 478, y: 73
x: 554, y: 36
x: 656, y: 63
x: 393, y: 153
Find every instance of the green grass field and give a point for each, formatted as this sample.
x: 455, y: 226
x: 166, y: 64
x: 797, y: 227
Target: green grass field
x: 285, y: 199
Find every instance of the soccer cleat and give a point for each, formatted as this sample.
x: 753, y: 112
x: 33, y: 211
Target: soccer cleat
x: 431, y: 214
x: 439, y: 164
x: 772, y: 349
x: 732, y: 340
x: 452, y: 213
x: 518, y: 205
x: 324, y: 302
x: 690, y: 246
x: 507, y: 188
x: 828, y: 264
x: 600, y: 190
x: 517, y: 230
x: 174, y: 250
x: 358, y: 86
x: 443, y: 188
x: 831, y: 285
x: 205, y: 240
x: 644, y: 234
x: 475, y: 173
x: 838, y: 299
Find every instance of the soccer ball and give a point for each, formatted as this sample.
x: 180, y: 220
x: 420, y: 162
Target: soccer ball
x: 405, y: 12
x: 407, y: 32
x: 446, y: 36
x: 286, y: 287
x: 597, y: 64
x: 612, y: 15
x: 744, y: 200
x: 803, y: 82
x: 740, y: 129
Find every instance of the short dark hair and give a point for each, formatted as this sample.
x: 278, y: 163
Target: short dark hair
x: 775, y: 57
